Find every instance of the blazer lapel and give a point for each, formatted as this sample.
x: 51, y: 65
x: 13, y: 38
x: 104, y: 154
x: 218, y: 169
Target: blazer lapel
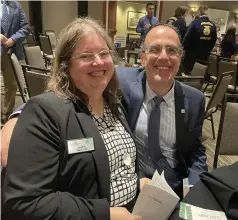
x: 122, y: 118
x: 181, y: 116
x: 100, y: 154
x: 137, y: 90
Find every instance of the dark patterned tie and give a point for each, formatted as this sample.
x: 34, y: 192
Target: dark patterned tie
x: 153, y: 129
x: 150, y: 20
x: 160, y: 162
x: 4, y: 21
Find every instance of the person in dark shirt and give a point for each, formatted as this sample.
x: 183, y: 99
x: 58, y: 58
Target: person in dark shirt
x: 199, y: 40
x: 196, y: 17
x: 228, y: 44
x: 178, y: 20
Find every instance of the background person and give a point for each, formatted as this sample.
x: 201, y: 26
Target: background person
x: 219, y: 37
x: 14, y: 30
x: 228, y: 44
x: 76, y: 158
x: 199, y: 40
x: 178, y: 20
x: 147, y: 21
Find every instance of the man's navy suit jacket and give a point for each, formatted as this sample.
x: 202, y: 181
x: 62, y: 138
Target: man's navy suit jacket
x: 188, y: 124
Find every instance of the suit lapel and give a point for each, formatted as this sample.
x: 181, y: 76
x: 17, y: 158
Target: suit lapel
x: 136, y: 99
x: 122, y: 118
x: 181, y: 116
x: 100, y: 154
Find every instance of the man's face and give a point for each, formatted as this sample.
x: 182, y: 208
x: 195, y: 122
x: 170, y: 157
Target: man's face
x: 162, y: 57
x: 150, y: 10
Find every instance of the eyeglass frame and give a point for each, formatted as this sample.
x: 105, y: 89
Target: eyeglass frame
x: 179, y: 49
x: 76, y: 57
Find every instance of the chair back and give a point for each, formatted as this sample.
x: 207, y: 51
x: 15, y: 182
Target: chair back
x: 36, y: 82
x: 52, y: 37
x: 212, y: 68
x: 219, y: 91
x: 31, y: 39
x: 225, y: 66
x: 34, y: 56
x: 17, y: 71
x: 199, y: 69
x: 228, y: 130
x: 234, y: 81
x: 45, y: 44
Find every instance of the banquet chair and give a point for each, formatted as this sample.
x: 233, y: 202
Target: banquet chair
x: 217, y: 96
x: 228, y: 130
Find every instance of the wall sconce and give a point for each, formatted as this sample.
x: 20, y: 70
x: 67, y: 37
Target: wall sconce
x: 194, y: 10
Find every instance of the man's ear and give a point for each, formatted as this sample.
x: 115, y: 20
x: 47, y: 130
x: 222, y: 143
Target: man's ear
x: 143, y: 59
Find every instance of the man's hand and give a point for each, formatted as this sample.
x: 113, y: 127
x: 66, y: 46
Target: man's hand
x: 119, y: 213
x: 144, y: 181
x: 147, y: 26
x: 9, y: 43
x: 3, y: 39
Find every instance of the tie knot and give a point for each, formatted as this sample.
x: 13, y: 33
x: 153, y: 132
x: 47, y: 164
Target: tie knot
x: 157, y: 100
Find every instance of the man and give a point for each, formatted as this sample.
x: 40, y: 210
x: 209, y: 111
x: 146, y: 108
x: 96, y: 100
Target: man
x: 146, y: 21
x: 176, y: 145
x: 14, y: 30
x: 178, y: 20
x: 166, y: 116
x: 199, y: 40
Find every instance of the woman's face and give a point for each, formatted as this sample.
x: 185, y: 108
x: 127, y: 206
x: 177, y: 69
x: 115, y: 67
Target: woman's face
x: 91, y: 65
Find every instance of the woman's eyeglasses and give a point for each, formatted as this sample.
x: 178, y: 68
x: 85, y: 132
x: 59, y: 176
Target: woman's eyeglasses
x: 90, y: 57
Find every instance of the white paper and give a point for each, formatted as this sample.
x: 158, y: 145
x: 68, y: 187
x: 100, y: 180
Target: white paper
x: 156, y: 199
x: 203, y: 214
x: 160, y: 182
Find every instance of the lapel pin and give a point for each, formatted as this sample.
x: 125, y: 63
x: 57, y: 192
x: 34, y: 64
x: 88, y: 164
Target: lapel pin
x: 182, y: 111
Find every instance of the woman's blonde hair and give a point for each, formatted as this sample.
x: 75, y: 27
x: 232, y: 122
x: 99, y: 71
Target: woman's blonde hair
x: 60, y: 81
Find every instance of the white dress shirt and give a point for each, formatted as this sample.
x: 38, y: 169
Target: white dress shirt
x: 167, y: 132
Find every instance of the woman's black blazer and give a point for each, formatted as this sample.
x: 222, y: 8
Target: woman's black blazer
x: 44, y: 181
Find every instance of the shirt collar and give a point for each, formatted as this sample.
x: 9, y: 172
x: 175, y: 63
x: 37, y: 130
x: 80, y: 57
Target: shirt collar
x: 148, y: 16
x: 150, y: 94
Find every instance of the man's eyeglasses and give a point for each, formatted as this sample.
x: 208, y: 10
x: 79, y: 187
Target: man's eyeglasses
x: 89, y: 57
x: 157, y: 49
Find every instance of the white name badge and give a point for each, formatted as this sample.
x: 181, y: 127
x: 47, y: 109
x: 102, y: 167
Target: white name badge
x: 80, y: 145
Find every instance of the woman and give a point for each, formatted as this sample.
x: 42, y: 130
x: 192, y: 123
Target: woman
x: 178, y: 20
x: 228, y: 44
x: 72, y: 155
